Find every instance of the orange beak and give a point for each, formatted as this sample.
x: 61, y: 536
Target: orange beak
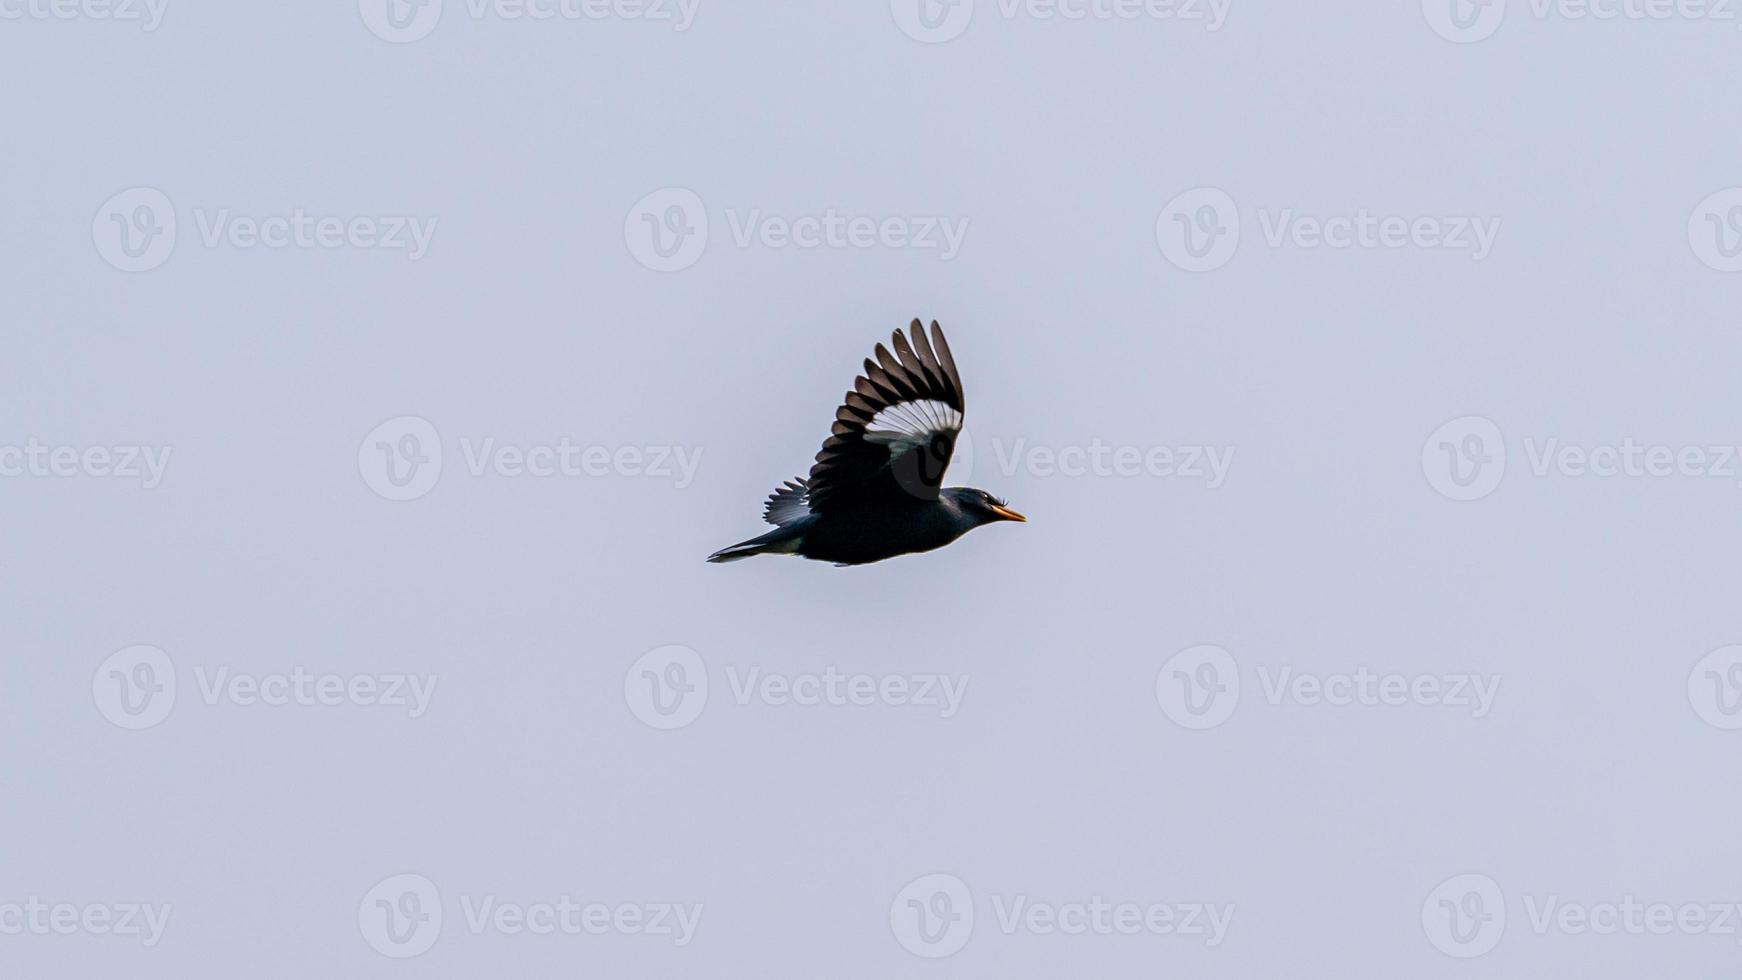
x: 1008, y: 514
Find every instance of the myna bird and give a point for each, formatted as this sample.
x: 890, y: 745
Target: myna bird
x: 874, y: 491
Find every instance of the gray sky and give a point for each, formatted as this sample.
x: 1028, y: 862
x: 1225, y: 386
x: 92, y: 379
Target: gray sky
x: 1424, y: 471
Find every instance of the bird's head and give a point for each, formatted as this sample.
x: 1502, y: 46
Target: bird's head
x: 981, y: 506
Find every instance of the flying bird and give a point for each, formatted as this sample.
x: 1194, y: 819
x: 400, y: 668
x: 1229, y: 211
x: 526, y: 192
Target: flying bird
x: 876, y: 488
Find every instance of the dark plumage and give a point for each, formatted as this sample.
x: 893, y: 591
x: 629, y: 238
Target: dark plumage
x: 874, y: 491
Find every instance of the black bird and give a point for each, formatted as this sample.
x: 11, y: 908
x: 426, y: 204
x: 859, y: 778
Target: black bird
x: 874, y: 491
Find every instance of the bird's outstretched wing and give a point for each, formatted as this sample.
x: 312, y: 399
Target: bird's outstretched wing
x: 895, y: 431
x: 787, y: 504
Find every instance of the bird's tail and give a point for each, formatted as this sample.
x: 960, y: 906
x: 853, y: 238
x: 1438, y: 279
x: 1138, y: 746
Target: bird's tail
x: 780, y: 541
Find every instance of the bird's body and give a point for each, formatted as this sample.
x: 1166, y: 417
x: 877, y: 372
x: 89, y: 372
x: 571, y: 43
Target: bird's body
x: 870, y: 534
x: 859, y: 535
x: 874, y: 492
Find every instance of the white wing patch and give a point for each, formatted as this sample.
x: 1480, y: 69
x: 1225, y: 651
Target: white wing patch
x: 910, y: 425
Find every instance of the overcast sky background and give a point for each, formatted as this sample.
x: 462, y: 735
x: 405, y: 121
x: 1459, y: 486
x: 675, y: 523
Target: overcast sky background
x: 535, y: 154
